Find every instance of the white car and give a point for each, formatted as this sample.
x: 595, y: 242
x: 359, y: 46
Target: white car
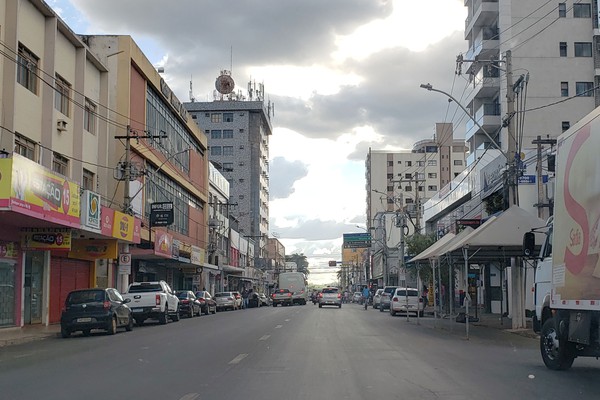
x: 406, y: 300
x: 377, y: 298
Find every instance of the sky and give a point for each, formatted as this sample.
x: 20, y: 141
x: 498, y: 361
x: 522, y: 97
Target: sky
x: 343, y: 76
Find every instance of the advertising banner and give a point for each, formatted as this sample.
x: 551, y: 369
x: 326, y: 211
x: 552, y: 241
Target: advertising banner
x: 90, y: 211
x: 5, y: 182
x: 41, y: 193
x: 163, y: 244
x: 123, y: 226
x: 197, y: 256
x: 46, y: 239
x: 9, y: 250
x: 93, y: 249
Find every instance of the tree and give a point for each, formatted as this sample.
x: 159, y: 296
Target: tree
x: 301, y: 262
x: 414, y: 245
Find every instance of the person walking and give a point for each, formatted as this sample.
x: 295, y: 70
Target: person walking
x: 365, y: 294
x: 245, y: 295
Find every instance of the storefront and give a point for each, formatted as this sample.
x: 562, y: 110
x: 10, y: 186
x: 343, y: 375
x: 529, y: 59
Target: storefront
x: 8, y: 283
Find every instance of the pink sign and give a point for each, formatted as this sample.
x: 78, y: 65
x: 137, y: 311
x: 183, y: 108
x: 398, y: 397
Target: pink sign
x: 107, y: 216
x: 163, y: 244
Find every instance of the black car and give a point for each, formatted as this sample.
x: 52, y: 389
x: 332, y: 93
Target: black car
x: 188, y: 303
x: 208, y: 304
x: 96, y: 308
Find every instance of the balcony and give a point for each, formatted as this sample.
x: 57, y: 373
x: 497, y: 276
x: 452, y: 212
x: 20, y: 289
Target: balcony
x: 487, y: 116
x: 484, y: 12
x: 487, y: 84
x: 484, y: 47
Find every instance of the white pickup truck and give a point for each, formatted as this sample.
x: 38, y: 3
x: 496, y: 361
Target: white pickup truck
x: 152, y: 300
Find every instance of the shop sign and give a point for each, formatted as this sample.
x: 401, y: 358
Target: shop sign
x: 161, y: 214
x: 41, y: 193
x: 137, y: 231
x: 196, y: 257
x: 196, y: 280
x: 181, y: 251
x: 163, y: 243
x: 9, y: 250
x: 46, y: 239
x: 5, y: 182
x: 91, y: 250
x: 107, y: 216
x: 123, y: 226
x: 90, y: 210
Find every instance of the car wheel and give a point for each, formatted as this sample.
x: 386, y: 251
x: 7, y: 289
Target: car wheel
x: 129, y: 326
x: 176, y: 316
x: 320, y: 305
x: 340, y: 306
x: 380, y: 309
x: 207, y: 311
x: 112, y: 326
x: 392, y: 313
x: 86, y: 332
x: 139, y: 321
x: 163, y: 319
x: 191, y: 315
x: 64, y: 332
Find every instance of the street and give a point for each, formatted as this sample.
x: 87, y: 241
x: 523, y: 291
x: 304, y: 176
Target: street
x: 299, y: 352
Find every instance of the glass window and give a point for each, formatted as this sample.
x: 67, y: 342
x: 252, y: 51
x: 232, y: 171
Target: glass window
x: 408, y: 188
x: 390, y: 163
x: 583, y: 49
x: 565, y: 125
x: 432, y: 188
x: 62, y: 95
x: 215, y: 117
x: 432, y: 163
x: 562, y: 10
x: 227, y: 133
x: 562, y: 46
x: 432, y: 175
x: 89, y: 117
x: 409, y: 163
x: 216, y: 150
x: 215, y: 134
x: 24, y: 147
x: 7, y: 292
x: 227, y: 150
x: 420, y: 163
x: 407, y: 176
x: 227, y: 167
x: 227, y: 117
x: 582, y: 10
x: 564, y: 89
x: 27, y: 69
x: 60, y: 164
x: 584, y: 89
x: 458, y: 162
x: 88, y: 180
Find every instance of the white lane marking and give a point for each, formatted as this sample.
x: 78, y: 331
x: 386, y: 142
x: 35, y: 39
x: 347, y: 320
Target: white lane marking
x: 287, y: 320
x: 279, y: 326
x: 190, y: 396
x: 265, y: 337
x: 238, y: 359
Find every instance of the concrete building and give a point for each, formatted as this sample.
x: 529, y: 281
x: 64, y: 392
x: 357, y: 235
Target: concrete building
x: 404, y: 181
x: 238, y: 135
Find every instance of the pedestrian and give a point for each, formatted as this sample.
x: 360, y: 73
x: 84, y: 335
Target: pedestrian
x: 425, y: 296
x: 245, y: 295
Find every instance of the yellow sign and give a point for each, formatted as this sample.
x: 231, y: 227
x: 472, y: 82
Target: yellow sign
x: 46, y: 239
x: 123, y: 226
x: 93, y: 249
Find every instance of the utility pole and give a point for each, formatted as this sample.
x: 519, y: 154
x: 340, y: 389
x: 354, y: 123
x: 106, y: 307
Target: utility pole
x: 541, y: 204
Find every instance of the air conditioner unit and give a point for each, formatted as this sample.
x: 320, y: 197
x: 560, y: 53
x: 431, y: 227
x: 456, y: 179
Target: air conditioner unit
x: 61, y: 125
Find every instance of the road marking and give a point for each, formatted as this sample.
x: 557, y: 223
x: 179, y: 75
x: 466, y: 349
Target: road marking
x: 279, y: 326
x: 265, y: 337
x: 190, y: 396
x: 238, y: 359
x: 287, y: 320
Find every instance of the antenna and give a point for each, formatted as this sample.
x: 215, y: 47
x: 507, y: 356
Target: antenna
x: 231, y: 59
x: 192, y: 98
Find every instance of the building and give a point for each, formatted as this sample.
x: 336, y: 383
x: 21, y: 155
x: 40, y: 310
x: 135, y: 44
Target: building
x: 238, y: 135
x: 60, y: 231
x: 160, y: 158
x: 218, y: 223
x: 399, y: 182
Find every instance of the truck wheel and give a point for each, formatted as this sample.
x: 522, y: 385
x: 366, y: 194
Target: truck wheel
x: 164, y: 317
x: 556, y: 353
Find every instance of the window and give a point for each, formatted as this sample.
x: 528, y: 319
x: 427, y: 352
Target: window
x: 390, y: 164
x: 390, y: 176
x: 565, y: 125
x: 420, y: 163
x: 227, y: 166
x: 215, y: 134
x: 420, y: 188
x: 399, y: 162
x: 562, y: 10
x: 583, y: 49
x: 24, y: 147
x: 390, y: 188
x: 61, y: 95
x: 421, y: 175
x: 409, y: 163
x: 216, y: 150
x: 215, y: 117
x: 408, y: 176
x: 408, y: 201
x: 88, y: 180
x: 562, y: 47
x: 408, y: 188
x: 584, y: 89
x: 457, y: 162
x: 227, y: 150
x: 432, y: 163
x: 89, y: 117
x: 582, y: 10
x: 390, y: 201
x: 432, y: 175
x: 227, y: 133
x: 227, y: 117
x: 564, y: 89
x: 432, y: 188
x: 27, y: 69
x: 60, y: 164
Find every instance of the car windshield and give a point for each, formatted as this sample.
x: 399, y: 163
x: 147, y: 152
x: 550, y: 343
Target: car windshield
x: 86, y: 296
x: 182, y: 295
x: 411, y: 293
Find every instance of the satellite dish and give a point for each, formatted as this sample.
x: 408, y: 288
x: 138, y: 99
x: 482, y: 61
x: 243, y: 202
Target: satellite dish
x: 224, y: 84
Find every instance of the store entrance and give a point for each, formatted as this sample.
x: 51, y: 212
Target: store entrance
x: 33, y: 287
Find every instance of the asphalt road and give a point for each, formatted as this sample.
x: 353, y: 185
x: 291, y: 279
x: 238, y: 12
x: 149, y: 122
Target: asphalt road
x: 300, y: 352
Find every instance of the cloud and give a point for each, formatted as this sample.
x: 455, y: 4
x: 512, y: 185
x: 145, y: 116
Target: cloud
x: 282, y: 175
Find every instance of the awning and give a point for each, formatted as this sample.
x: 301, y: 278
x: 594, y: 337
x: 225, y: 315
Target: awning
x: 231, y: 268
x: 425, y: 254
x: 211, y: 266
x: 440, y: 251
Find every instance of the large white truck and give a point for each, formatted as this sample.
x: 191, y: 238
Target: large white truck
x: 296, y: 283
x: 567, y: 280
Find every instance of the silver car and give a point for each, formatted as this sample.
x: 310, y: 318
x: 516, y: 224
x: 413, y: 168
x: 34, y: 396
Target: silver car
x: 330, y: 296
x: 377, y: 298
x: 226, y: 301
x: 386, y: 296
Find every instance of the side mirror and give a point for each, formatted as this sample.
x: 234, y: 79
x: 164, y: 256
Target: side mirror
x: 529, y: 244
x: 126, y: 301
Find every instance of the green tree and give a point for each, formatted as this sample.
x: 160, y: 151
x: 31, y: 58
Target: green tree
x: 414, y: 245
x: 300, y: 260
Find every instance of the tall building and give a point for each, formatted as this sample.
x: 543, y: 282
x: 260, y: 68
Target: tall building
x: 404, y: 181
x: 238, y: 133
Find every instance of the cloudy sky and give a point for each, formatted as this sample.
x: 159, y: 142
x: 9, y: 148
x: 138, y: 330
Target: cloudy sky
x: 343, y: 75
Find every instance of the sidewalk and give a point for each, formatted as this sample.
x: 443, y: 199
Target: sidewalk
x: 12, y: 336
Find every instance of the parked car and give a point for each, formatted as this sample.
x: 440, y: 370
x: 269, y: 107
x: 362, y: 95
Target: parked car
x: 330, y: 296
x: 152, y: 300
x: 377, y: 298
x: 89, y: 309
x: 406, y: 300
x: 226, y: 301
x: 386, y: 296
x: 188, y: 303
x: 254, y: 300
x: 207, y: 302
x: 238, y: 300
x: 264, y: 300
x: 357, y: 297
x: 283, y: 297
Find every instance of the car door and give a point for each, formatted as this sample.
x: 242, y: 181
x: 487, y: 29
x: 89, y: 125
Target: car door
x: 121, y: 309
